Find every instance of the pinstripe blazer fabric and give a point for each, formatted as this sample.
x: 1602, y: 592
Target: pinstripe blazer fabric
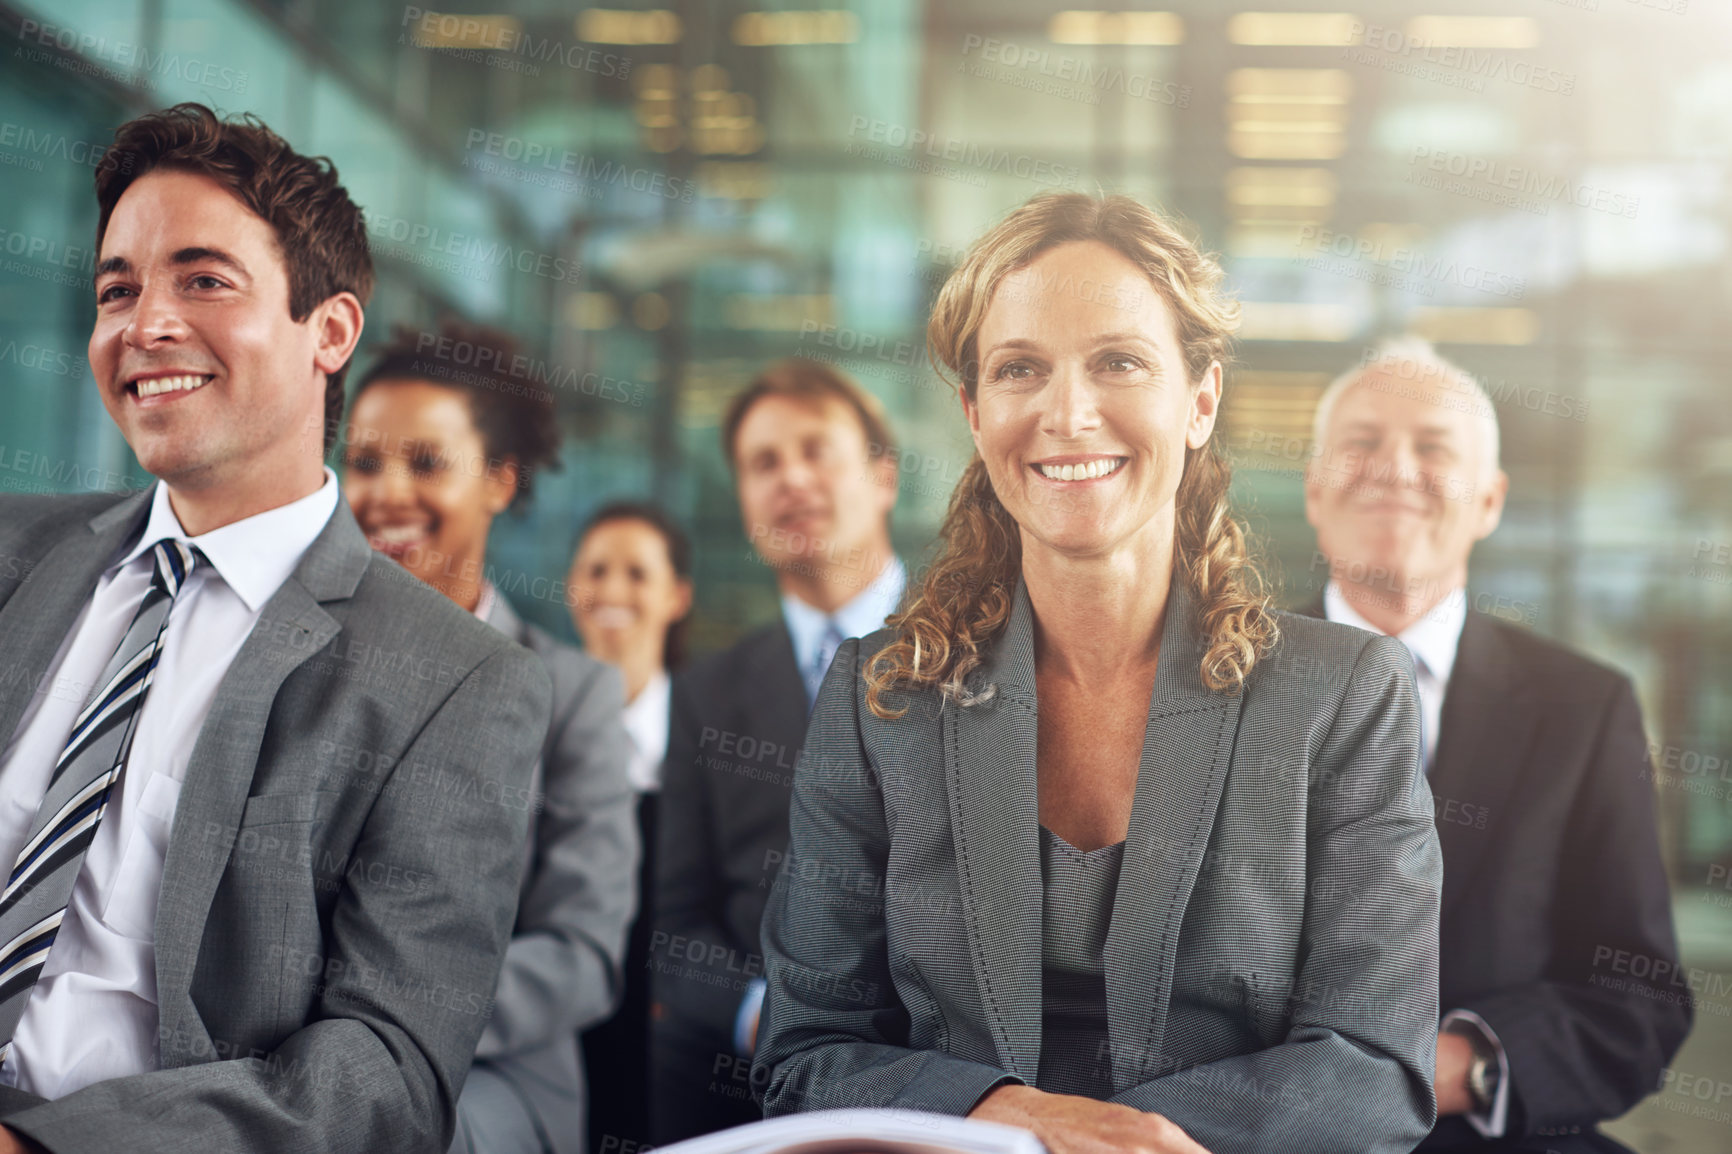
x: 1272, y: 958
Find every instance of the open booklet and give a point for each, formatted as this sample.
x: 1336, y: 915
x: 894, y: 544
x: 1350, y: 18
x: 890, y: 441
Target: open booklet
x: 864, y: 1132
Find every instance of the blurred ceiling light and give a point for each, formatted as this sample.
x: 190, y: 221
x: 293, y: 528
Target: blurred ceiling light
x: 655, y: 81
x: 762, y: 29
x: 656, y: 113
x: 1295, y: 321
x: 1287, y: 113
x: 1287, y: 117
x: 1260, y: 144
x: 1292, y: 29
x: 735, y: 179
x: 781, y: 313
x: 623, y: 26
x: 1251, y: 186
x: 1282, y: 215
x: 1265, y: 239
x: 1290, y: 85
x: 728, y: 136
x: 1267, y: 414
x: 591, y: 311
x: 1476, y: 326
x: 1145, y: 28
x: 1475, y: 31
x: 448, y: 30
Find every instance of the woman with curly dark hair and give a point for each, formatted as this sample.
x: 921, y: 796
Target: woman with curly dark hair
x: 1090, y: 839
x: 447, y: 429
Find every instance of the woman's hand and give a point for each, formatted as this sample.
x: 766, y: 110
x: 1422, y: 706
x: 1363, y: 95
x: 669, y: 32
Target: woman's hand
x: 1070, y: 1124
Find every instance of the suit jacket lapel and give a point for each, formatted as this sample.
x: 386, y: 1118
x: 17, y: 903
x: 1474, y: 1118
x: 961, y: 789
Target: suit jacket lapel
x: 989, y: 758
x: 1187, y: 749
x: 37, y: 618
x: 291, y: 628
x: 1483, y: 736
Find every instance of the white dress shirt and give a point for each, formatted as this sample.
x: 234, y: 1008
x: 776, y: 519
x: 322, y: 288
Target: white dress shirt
x: 863, y: 613
x: 92, y: 1015
x: 646, y: 723
x: 1433, y: 641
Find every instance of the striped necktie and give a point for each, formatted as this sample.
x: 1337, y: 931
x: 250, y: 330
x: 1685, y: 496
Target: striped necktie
x: 40, y: 884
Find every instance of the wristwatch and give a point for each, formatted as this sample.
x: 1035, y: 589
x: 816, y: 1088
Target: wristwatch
x: 1483, y: 1075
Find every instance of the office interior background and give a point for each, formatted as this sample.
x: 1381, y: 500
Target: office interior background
x: 658, y: 200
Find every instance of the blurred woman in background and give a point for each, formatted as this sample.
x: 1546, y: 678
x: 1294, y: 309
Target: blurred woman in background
x: 631, y: 595
x: 442, y: 438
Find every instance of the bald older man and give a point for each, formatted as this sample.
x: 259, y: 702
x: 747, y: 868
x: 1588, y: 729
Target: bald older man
x: 1554, y: 897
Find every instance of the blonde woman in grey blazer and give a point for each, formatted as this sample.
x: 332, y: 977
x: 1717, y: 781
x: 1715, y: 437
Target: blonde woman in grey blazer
x: 437, y: 446
x: 1090, y: 840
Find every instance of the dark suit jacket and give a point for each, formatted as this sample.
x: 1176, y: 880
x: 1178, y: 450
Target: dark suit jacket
x: 736, y: 721
x: 1552, y: 874
x: 562, y: 968
x: 343, y: 866
x: 1271, y: 964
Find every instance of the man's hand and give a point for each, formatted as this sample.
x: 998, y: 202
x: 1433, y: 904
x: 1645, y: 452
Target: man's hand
x: 1454, y: 1056
x: 1070, y: 1124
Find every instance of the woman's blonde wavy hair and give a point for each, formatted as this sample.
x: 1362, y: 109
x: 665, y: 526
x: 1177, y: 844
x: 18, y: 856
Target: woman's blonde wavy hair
x: 965, y: 597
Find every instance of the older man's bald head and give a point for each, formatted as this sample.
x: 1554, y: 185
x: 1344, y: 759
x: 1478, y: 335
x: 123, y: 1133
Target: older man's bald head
x: 1409, y: 366
x: 1403, y: 480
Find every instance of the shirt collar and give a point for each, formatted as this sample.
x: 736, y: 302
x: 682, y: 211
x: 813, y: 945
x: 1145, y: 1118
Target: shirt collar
x: 484, y: 607
x: 1434, y: 638
x: 863, y: 613
x: 254, y: 555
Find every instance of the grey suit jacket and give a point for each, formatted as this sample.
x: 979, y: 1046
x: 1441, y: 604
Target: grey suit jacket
x: 344, y: 862
x: 1271, y: 967
x: 562, y: 968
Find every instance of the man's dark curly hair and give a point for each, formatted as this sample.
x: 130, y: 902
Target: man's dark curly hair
x: 319, y: 230
x: 511, y: 406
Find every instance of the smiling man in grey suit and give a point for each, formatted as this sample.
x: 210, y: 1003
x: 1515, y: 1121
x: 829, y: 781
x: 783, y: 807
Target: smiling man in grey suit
x: 268, y: 793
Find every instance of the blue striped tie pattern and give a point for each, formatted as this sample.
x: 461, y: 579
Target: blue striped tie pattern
x: 86, y: 773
